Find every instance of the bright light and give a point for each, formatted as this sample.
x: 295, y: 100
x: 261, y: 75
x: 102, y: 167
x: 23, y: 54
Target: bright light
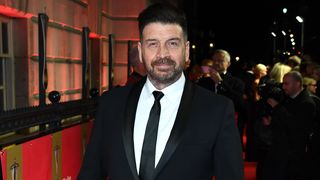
x: 289, y: 53
x: 293, y: 43
x: 283, y: 32
x: 237, y: 58
x: 284, y: 10
x: 291, y: 35
x: 292, y: 40
x: 211, y: 45
x: 299, y: 19
x: 193, y: 46
x: 273, y: 34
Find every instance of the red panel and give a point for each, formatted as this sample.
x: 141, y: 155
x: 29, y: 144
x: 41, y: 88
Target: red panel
x: 3, y: 157
x: 71, y: 152
x: 37, y: 159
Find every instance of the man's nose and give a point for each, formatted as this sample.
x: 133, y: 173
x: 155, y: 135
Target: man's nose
x: 163, y: 52
x: 217, y: 62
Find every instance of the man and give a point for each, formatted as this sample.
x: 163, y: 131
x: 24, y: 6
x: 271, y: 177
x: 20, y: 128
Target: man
x: 138, y: 70
x: 294, y: 62
x: 291, y: 123
x: 222, y: 82
x: 226, y: 84
x: 196, y: 138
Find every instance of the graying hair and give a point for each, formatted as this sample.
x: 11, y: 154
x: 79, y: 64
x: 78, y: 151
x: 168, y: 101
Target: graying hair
x: 222, y: 51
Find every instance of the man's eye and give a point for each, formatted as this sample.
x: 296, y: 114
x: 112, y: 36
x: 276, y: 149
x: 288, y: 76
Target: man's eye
x: 152, y: 44
x: 173, y: 44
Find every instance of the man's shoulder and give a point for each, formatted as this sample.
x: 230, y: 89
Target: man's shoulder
x: 316, y: 99
x: 134, y: 78
x: 116, y: 92
x: 304, y: 96
x: 235, y: 79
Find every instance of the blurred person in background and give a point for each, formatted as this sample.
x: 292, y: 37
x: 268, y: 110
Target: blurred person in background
x: 217, y: 79
x: 291, y: 122
x: 294, y: 62
x: 138, y: 69
x: 310, y: 84
x: 278, y: 71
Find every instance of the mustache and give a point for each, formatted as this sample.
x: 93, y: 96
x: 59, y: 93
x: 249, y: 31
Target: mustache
x: 166, y: 61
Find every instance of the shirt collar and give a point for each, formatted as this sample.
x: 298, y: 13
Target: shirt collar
x: 172, y: 92
x: 295, y: 95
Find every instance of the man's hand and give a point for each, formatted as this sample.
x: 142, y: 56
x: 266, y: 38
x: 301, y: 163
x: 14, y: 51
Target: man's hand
x: 272, y: 102
x: 266, y: 120
x: 215, y: 76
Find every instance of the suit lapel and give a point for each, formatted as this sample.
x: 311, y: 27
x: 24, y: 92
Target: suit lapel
x: 179, y: 125
x: 129, y: 119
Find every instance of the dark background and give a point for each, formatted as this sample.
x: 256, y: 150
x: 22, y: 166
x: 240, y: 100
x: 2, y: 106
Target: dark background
x: 244, y: 28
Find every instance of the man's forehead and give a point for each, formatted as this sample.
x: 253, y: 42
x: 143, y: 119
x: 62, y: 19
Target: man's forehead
x: 161, y: 29
x: 289, y: 78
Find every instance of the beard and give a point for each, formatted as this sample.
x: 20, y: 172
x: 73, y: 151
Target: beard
x: 165, y: 76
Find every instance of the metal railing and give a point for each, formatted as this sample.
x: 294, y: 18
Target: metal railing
x: 20, y: 125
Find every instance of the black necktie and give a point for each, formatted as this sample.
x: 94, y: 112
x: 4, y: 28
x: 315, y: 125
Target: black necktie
x: 147, y: 163
x: 222, y: 75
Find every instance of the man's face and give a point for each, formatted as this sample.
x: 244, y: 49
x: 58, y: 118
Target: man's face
x: 312, y: 87
x: 164, y: 51
x: 220, y: 62
x: 290, y: 86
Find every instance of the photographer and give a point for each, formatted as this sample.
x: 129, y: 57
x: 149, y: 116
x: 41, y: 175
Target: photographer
x: 267, y: 88
x: 290, y: 122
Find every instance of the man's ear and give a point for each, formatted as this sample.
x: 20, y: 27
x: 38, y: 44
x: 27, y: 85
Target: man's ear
x: 140, y: 52
x: 229, y: 63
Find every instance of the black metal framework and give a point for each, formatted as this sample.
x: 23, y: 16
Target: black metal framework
x: 85, y: 58
x: 50, y: 116
x: 43, y: 80
x: 129, y: 50
x: 110, y: 64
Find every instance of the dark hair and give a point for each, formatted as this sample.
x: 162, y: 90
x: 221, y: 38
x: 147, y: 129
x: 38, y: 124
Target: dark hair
x: 162, y: 13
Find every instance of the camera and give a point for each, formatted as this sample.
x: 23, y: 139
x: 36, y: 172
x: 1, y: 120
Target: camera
x: 271, y: 89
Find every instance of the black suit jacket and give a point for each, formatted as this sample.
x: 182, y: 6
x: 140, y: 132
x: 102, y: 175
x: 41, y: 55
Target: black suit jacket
x: 230, y: 87
x: 233, y: 88
x: 204, y: 140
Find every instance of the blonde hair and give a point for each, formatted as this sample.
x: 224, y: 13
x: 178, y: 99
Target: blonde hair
x: 295, y: 59
x: 307, y: 81
x: 259, y: 68
x: 278, y: 71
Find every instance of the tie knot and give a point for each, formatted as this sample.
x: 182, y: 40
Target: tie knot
x: 157, y: 95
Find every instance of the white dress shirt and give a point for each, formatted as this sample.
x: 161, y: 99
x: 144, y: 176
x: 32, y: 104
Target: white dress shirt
x: 169, y: 108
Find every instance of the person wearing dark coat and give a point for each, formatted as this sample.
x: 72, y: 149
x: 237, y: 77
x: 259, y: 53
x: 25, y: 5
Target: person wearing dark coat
x: 138, y: 69
x: 222, y: 82
x: 291, y: 122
